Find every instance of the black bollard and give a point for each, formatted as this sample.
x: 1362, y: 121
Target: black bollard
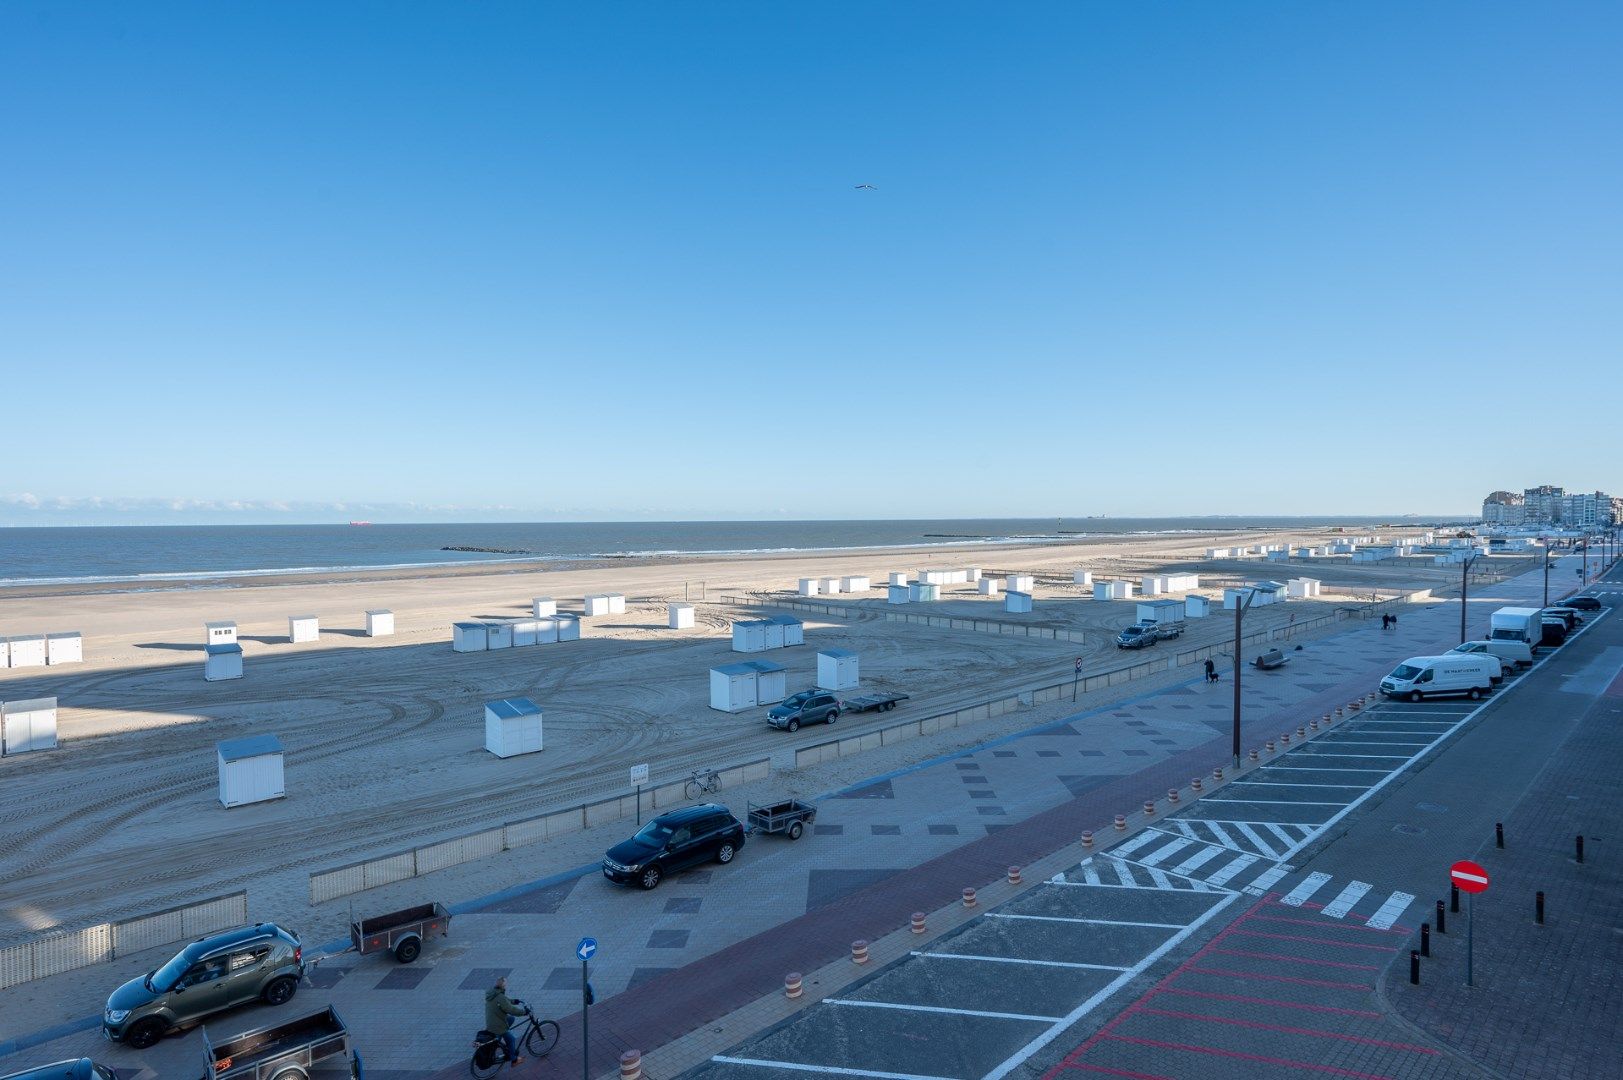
x: 1499, y: 834
x: 1454, y: 898
x: 1442, y: 918
x: 1538, y: 909
x: 1425, y: 939
x: 1414, y: 967
x: 1580, y: 849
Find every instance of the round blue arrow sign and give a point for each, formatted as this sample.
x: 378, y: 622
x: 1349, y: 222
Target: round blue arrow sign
x: 586, y: 949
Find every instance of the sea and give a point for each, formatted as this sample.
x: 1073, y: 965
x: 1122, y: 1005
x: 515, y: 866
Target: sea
x: 169, y: 554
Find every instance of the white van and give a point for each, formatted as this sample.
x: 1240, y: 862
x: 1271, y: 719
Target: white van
x: 1435, y: 676
x: 1510, y: 653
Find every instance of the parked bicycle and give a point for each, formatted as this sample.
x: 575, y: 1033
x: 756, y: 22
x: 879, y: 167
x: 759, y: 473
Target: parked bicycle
x: 702, y: 782
x: 538, y: 1037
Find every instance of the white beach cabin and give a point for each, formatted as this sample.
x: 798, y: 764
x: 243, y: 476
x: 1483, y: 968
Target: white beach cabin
x: 250, y: 770
x: 829, y: 585
x: 898, y: 594
x: 469, y: 637
x: 512, y: 727
x: 771, y: 682
x: 302, y: 628
x: 810, y: 586
x: 219, y: 633
x: 380, y: 623
x: 568, y: 626
x: 794, y: 631
x: 923, y: 592
x: 837, y: 669
x: 749, y: 636
x: 498, y: 635
x: 617, y: 603
x: 1304, y: 588
x: 222, y: 662
x: 594, y: 605
x: 855, y: 584
x: 732, y: 687
x: 988, y: 586
x: 1081, y: 577
x: 898, y: 577
x: 1196, y: 606
x: 543, y: 607
x: 26, y: 726
x: 65, y: 648
x: 526, y: 632
x: 1018, y: 583
x: 679, y: 616
x: 1017, y: 601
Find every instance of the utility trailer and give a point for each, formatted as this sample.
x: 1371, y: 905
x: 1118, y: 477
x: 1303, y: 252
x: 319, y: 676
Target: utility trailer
x: 788, y: 818
x: 400, y: 932
x: 312, y: 1047
x: 874, y: 702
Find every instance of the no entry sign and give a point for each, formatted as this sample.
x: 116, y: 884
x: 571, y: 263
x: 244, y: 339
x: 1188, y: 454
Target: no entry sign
x: 1469, y: 876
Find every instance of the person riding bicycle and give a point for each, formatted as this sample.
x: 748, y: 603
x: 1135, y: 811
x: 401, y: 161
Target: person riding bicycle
x: 499, y: 1013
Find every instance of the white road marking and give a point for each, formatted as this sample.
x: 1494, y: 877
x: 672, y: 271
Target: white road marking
x: 1344, y: 901
x: 1200, y: 858
x: 1230, y: 868
x: 1287, y: 783
x: 1019, y: 960
x: 1166, y: 851
x: 1160, y: 879
x: 1323, y: 768
x: 1388, y: 913
x: 1310, y: 885
x: 1281, y: 833
x: 1091, y: 922
x: 1252, y: 835
x: 1107, y: 885
x: 1264, y: 881
x: 1090, y: 875
x: 1123, y: 873
x: 724, y: 1060
x: 1276, y: 802
x: 1372, y: 742
x: 1378, y: 757
x: 938, y: 1009
x: 1137, y: 842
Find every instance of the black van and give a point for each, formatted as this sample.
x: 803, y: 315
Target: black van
x: 672, y: 842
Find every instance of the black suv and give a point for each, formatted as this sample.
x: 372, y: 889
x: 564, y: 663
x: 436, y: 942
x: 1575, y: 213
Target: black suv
x: 806, y: 707
x: 672, y: 842
x: 1582, y: 603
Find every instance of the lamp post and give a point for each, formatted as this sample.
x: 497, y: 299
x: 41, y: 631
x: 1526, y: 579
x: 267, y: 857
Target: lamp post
x: 1465, y: 589
x: 1547, y: 565
x: 1239, y: 614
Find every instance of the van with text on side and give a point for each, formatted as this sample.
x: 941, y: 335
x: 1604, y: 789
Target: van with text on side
x: 1420, y: 677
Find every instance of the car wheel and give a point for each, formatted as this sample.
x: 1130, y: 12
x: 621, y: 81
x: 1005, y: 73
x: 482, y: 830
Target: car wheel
x: 143, y: 1033
x: 795, y: 829
x: 725, y: 853
x: 793, y: 725
x: 1414, y: 695
x: 833, y: 716
x: 281, y: 991
x: 650, y: 877
x: 408, y: 950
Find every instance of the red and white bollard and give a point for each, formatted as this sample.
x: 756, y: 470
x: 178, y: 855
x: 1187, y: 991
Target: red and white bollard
x: 1253, y: 757
x: 631, y: 1065
x: 1014, y: 875
x: 1121, y: 821
x: 1301, y: 732
x: 1339, y: 713
x: 1217, y: 773
x: 1284, y: 738
x: 1314, y: 724
x: 1194, y: 783
x: 859, y: 952
x: 1087, y: 841
x: 1268, y: 744
x: 918, y: 922
x: 969, y: 897
x: 791, y: 985
x: 1325, y: 719
x: 1149, y: 807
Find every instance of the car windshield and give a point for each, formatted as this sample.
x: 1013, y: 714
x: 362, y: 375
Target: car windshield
x: 798, y: 700
x: 1406, y: 672
x: 1467, y: 647
x: 168, y: 975
x: 655, y: 833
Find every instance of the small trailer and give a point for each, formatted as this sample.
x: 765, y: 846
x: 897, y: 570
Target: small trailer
x: 312, y: 1047
x: 788, y: 818
x: 873, y: 702
x: 400, y: 932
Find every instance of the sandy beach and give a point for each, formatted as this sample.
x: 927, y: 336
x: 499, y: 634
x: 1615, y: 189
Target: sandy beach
x: 384, y: 737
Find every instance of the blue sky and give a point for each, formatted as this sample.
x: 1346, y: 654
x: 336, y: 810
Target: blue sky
x: 608, y: 260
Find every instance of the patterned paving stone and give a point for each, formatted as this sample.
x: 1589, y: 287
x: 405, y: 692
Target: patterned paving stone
x: 885, y: 830
x: 404, y: 978
x: 668, y: 939
x: 683, y: 905
x: 1004, y: 753
x: 943, y: 830
x: 828, y: 830
x: 562, y: 978
x: 983, y: 793
x: 990, y: 811
x: 480, y: 979
x: 826, y: 886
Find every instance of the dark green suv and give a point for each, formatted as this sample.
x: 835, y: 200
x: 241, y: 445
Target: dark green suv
x: 262, y: 962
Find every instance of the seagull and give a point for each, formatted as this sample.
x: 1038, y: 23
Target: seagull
x: 866, y: 187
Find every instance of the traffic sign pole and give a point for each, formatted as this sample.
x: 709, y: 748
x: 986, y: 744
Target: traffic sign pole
x: 1469, y: 878
x: 1470, y: 925
x: 585, y: 951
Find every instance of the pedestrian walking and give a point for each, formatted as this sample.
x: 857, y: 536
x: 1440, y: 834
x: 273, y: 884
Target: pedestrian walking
x: 1211, y: 671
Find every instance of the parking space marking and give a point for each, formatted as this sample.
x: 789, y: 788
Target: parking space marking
x: 1160, y: 878
x: 1206, y: 854
x: 1109, y: 885
x: 1251, y: 835
x: 1371, y: 742
x: 1388, y: 913
x: 937, y: 1009
x: 1344, y: 901
x: 1137, y: 842
x: 1264, y: 880
x: 1124, y: 872
x: 1287, y: 783
x: 832, y: 1069
x: 1019, y: 960
x: 1310, y: 885
x: 1322, y: 768
x: 1090, y: 922
x: 1377, y: 757
x: 1166, y: 851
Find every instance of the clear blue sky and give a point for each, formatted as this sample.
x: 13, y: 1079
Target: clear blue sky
x: 605, y: 260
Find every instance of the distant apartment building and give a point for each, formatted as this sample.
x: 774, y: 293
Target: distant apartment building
x: 1550, y: 505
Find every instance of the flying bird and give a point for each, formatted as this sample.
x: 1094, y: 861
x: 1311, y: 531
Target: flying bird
x: 866, y: 187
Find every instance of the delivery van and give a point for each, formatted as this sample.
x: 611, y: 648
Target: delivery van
x: 1511, y: 653
x: 1516, y: 624
x: 1418, y: 677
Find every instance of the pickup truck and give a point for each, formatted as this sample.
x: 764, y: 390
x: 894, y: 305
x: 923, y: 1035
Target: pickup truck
x: 310, y: 1047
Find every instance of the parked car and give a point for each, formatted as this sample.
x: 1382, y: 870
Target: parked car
x: 1470, y: 674
x: 1510, y: 653
x: 1555, y: 632
x: 262, y: 962
x: 1583, y: 603
x: 806, y: 707
x: 1566, y: 615
x: 1137, y: 636
x: 673, y: 842
x: 81, y: 1069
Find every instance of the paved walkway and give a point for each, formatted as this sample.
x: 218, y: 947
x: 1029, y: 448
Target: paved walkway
x: 710, y: 941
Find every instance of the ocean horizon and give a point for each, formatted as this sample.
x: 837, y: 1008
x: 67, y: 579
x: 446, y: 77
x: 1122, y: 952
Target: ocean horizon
x: 55, y: 554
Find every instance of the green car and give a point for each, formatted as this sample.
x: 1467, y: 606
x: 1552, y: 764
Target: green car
x: 262, y: 962
x: 80, y: 1069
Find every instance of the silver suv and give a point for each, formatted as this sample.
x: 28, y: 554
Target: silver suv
x: 262, y: 962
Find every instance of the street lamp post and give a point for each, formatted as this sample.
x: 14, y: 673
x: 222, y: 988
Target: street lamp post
x: 1239, y: 614
x: 1465, y: 589
x: 1547, y: 565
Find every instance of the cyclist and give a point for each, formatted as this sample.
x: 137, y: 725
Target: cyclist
x: 499, y: 1013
